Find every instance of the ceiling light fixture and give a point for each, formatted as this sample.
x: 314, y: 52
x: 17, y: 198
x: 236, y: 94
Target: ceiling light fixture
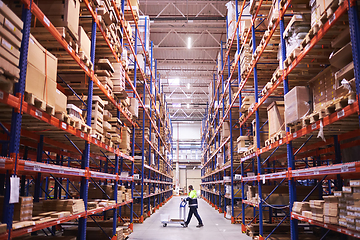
x: 188, y: 105
x: 188, y: 86
x: 189, y: 43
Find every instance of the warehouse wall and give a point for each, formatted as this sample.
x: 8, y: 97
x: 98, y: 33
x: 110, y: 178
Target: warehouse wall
x: 187, y: 131
x: 190, y: 177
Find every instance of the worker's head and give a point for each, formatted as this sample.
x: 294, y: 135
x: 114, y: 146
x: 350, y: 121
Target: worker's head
x: 191, y: 188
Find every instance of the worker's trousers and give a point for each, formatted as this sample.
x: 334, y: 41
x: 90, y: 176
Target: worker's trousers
x: 193, y: 210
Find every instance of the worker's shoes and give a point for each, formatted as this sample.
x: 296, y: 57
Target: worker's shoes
x: 184, y: 225
x: 200, y: 225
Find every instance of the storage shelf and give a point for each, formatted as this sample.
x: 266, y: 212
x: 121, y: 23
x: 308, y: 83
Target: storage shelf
x: 298, y: 156
x: 153, y: 194
x: 90, y: 73
x: 57, y: 221
x: 332, y: 227
x: 14, y: 102
x: 26, y: 167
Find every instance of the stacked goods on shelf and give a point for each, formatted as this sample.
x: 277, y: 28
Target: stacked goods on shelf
x: 105, y: 71
x: 134, y: 107
x: 23, y: 210
x: 110, y: 24
x: 279, y: 197
x: 125, y: 104
x: 247, y: 104
x: 95, y: 193
x: 41, y: 75
x: 10, y: 41
x: 124, y: 59
x: 107, y: 190
x: 129, y: 33
x: 317, y: 210
x: 124, y: 146
x: 245, y: 59
x: 331, y: 211
x: 98, y: 106
x: 296, y: 104
x: 300, y: 207
x: 275, y: 112
x: 144, y: 30
x: 295, y: 32
x: 62, y: 14
x: 128, y: 15
x: 118, y: 80
x: 351, y: 195
x: 48, y: 210
x: 115, y: 130
x: 84, y: 44
x: 342, y: 208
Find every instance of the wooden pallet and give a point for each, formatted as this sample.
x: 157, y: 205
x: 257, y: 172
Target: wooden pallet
x: 83, y: 127
x: 85, y: 59
x: 62, y: 116
x: 95, y: 134
x: 33, y: 100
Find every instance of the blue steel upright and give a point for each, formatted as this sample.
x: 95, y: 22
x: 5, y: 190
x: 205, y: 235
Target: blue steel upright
x: 16, y: 118
x: 289, y: 148
x: 257, y: 132
x: 86, y: 153
x: 355, y: 46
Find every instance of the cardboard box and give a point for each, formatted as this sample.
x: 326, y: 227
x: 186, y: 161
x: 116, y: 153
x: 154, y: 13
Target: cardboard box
x: 134, y: 107
x: 342, y: 57
x: 11, y: 16
x: 275, y: 118
x: 14, y: 51
x: 60, y: 101
x: 84, y: 42
x: 35, y: 83
x: 62, y: 14
x: 8, y: 24
x: 125, y: 138
x: 8, y: 57
x: 10, y: 37
x: 43, y: 60
x: 296, y: 104
x: 323, y: 88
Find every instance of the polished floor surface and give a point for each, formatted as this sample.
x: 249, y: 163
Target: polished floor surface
x: 216, y: 226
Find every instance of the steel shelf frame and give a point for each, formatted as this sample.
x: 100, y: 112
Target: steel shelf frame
x: 14, y: 165
x: 336, y: 170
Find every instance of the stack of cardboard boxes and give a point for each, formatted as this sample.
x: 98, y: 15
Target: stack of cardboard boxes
x: 10, y: 41
x: 125, y: 140
x: 317, y: 209
x: 73, y: 206
x: 23, y: 210
x: 342, y: 208
x: 331, y: 210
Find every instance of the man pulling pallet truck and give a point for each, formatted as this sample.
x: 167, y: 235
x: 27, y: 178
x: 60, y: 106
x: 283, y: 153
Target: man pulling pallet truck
x: 193, y: 205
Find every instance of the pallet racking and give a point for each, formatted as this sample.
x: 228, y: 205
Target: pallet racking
x: 291, y: 159
x: 86, y: 159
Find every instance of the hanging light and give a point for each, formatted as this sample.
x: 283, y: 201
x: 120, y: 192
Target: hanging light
x: 188, y: 86
x: 189, y: 43
x: 188, y: 105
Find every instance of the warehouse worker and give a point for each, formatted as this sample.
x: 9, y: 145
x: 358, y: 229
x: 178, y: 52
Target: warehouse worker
x: 193, y: 205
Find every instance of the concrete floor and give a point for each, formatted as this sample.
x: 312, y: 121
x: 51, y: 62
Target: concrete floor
x: 216, y: 227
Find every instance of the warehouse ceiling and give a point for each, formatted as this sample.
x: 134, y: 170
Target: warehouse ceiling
x: 185, y: 71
